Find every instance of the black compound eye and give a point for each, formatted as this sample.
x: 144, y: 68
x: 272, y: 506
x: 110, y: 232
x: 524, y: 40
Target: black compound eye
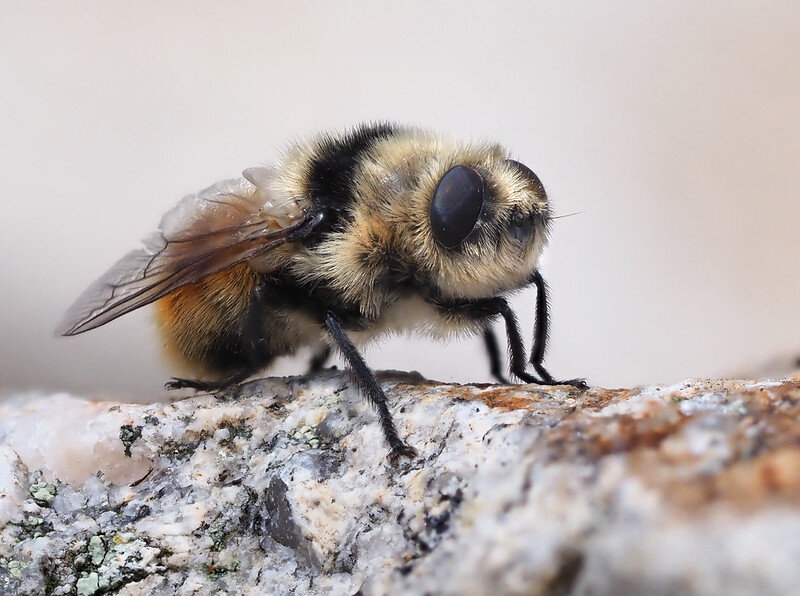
x: 456, y: 205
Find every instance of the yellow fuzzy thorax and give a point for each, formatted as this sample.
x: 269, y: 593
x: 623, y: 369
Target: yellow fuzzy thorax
x: 393, y: 186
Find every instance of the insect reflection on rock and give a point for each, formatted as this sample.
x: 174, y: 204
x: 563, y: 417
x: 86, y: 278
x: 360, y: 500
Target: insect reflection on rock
x: 349, y: 236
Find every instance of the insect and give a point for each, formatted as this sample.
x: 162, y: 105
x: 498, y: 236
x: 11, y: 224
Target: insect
x: 347, y: 237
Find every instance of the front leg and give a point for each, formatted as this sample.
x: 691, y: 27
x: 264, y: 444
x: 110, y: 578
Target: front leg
x: 370, y: 387
x: 540, y: 334
x: 517, y: 348
x: 483, y: 311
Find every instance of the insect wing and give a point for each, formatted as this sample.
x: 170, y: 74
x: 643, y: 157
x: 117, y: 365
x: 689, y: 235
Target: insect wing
x: 205, y: 233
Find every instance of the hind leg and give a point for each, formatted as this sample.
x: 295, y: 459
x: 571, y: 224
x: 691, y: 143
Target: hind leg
x: 211, y: 386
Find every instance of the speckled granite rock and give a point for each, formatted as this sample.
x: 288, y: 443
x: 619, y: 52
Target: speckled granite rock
x: 693, y: 488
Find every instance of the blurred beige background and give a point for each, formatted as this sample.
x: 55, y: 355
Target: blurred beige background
x: 675, y: 130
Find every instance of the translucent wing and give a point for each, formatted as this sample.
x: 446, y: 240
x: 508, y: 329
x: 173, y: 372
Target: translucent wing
x: 225, y: 224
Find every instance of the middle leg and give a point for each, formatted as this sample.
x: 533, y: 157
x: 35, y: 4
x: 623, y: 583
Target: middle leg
x: 484, y: 310
x: 493, y: 351
x: 371, y: 388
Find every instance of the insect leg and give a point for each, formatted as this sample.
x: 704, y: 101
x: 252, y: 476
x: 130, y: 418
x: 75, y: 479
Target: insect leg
x: 541, y: 330
x: 540, y: 334
x: 492, y: 349
x: 371, y: 388
x: 319, y: 359
x: 485, y: 309
x: 515, y: 344
x: 210, y: 386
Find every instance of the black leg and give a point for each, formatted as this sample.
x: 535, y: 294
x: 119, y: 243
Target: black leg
x: 318, y: 360
x: 210, y: 386
x: 370, y: 387
x: 542, y: 329
x: 540, y: 335
x: 490, y: 341
x: 515, y: 344
x: 486, y: 309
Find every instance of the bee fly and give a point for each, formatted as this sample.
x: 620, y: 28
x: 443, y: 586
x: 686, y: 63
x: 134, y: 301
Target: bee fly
x: 380, y: 229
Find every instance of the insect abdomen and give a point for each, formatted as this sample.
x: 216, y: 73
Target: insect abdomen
x: 211, y: 325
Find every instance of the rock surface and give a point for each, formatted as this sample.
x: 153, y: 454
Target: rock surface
x: 285, y: 488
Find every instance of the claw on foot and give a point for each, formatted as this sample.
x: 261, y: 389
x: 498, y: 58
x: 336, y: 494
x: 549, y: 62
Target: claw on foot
x: 401, y: 450
x: 577, y: 383
x: 177, y: 383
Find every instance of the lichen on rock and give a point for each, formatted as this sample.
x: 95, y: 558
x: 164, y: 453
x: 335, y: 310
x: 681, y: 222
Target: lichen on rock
x: 285, y: 488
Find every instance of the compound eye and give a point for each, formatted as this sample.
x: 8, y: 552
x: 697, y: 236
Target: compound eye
x: 526, y: 173
x: 456, y: 205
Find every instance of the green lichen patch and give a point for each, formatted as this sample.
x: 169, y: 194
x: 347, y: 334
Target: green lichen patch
x: 43, y: 493
x: 35, y: 526
x: 309, y: 436
x: 32, y: 521
x: 97, y: 550
x: 12, y: 568
x: 127, y: 559
x: 88, y: 584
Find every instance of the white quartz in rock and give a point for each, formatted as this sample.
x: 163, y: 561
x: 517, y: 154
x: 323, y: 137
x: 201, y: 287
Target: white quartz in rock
x: 286, y: 488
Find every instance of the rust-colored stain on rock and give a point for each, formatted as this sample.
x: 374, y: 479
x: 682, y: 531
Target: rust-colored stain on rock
x: 706, y: 443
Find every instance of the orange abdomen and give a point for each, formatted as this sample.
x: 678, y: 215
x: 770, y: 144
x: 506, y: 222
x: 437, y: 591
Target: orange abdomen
x: 201, y: 323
